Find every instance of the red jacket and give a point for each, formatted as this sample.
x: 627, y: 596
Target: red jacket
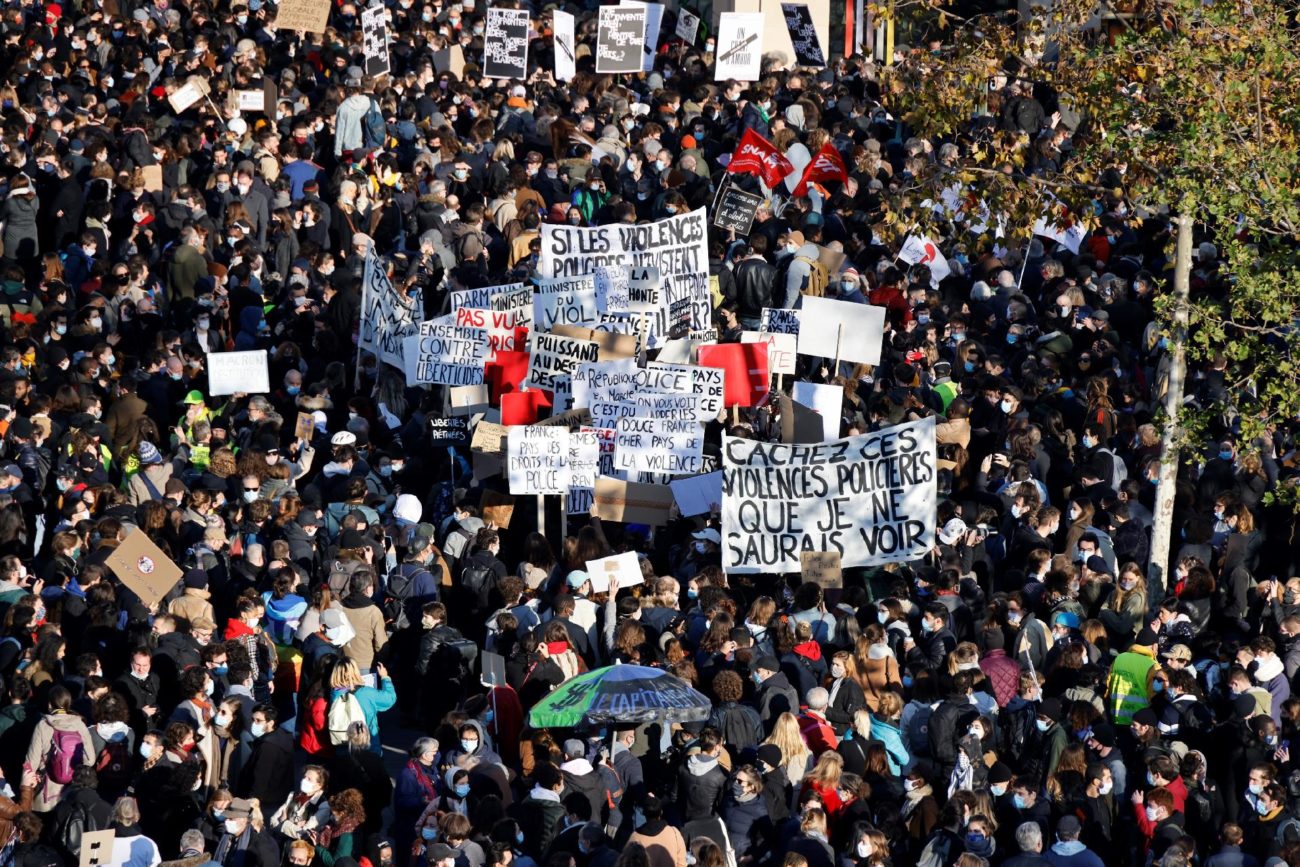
x: 1003, y: 673
x: 817, y: 733
x: 312, y: 734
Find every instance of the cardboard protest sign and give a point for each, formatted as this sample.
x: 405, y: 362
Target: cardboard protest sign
x: 554, y: 355
x: 632, y: 502
x: 505, y: 43
x: 822, y: 568
x: 153, y: 178
x: 677, y: 246
x: 449, y: 431
x: 781, y: 351
x: 584, y: 467
x: 565, y: 301
x: 620, y: 39
x: 506, y: 330
x: 537, y: 460
x: 450, y: 60
x: 735, y: 210
x: 374, y: 39
x: 193, y: 90
x: 609, y: 344
x: 566, y: 63
x: 308, y: 16
x: 489, y: 438
x: 740, y: 43
x: 688, y: 24
x: 745, y: 368
x: 778, y: 320
x: 832, y: 259
x: 143, y: 567
x: 388, y: 317
x: 468, y: 400
x: 920, y: 250
x: 484, y: 297
x: 97, y: 848
x: 869, y: 497
x: 446, y: 355
x: 497, y: 507
x: 803, y: 35
x: 304, y: 427
x: 824, y: 399
x: 658, y: 445
x: 841, y: 329
x: 238, y: 372
x: 625, y: 568
x: 697, y: 495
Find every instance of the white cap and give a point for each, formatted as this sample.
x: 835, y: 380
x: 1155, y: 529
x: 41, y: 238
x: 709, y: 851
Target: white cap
x: 708, y: 535
x: 343, y: 438
x: 952, y: 531
x: 408, y: 508
x: 237, y: 125
x: 518, y: 90
x: 320, y: 420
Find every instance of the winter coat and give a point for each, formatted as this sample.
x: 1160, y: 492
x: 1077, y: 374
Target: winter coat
x: 847, y: 698
x: 700, y: 784
x: 349, y: 123
x: 776, y: 697
x: 748, y: 824
x: 373, y: 703
x: 38, y: 755
x: 192, y: 605
x: 138, y: 493
x: 367, y: 619
x: 269, y: 775
x: 18, y: 214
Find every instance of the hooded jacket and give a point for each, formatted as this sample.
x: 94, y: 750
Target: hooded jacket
x: 348, y: 121
x: 701, y: 782
x: 40, y: 747
x: 776, y: 697
x: 367, y: 620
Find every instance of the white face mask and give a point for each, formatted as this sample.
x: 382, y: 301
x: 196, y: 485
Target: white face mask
x: 222, y: 720
x: 307, y: 787
x: 864, y: 849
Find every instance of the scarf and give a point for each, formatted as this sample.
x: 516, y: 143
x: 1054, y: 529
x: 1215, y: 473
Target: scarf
x: 336, y: 828
x: 423, y: 780
x: 912, y: 800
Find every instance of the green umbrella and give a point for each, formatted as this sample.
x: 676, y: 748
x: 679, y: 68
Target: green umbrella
x: 620, y: 693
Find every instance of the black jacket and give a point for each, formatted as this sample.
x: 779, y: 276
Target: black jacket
x: 700, y: 784
x: 775, y: 697
x: 848, y: 700
x: 754, y: 279
x: 269, y: 774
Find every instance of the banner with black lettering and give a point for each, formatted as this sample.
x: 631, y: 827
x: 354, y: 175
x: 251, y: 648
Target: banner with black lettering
x: 374, y: 38
x: 387, y: 316
x: 803, y: 35
x: 505, y: 43
x: 871, y: 497
x: 676, y: 246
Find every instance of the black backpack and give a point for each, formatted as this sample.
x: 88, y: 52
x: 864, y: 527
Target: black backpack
x: 477, y: 581
x: 400, y: 582
x: 78, y: 820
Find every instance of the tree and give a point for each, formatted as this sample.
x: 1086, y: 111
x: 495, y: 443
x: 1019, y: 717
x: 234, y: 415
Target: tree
x: 1184, y: 113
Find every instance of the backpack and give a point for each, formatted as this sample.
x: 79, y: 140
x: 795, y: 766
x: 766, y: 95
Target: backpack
x: 114, y: 764
x: 374, y: 131
x: 818, y: 278
x: 1118, y: 472
x: 1288, y: 831
x: 344, y: 711
x: 400, y: 581
x: 77, y: 821
x: 1198, y: 807
x: 66, y: 751
x: 477, y: 580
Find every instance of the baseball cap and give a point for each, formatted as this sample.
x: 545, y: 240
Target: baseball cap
x: 1068, y: 826
x: 573, y: 748
x: 952, y: 531
x: 1068, y: 619
x: 193, y: 397
x: 577, y: 578
x: 12, y: 470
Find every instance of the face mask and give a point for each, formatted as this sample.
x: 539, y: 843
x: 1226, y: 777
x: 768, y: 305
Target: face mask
x: 1158, y: 686
x: 692, y: 593
x: 1227, y: 456
x: 209, y: 687
x: 222, y: 720
x: 232, y: 826
x: 1260, y: 807
x: 1019, y: 801
x: 700, y: 547
x: 60, y: 329
x: 911, y: 785
x: 976, y: 731
x: 1153, y: 814
x: 864, y: 849
x: 837, y: 671
x: 469, y: 746
x: 258, y: 729
x: 1006, y: 406
x: 638, y: 818
x: 429, y: 834
x: 462, y: 790
x: 146, y: 750
x: 427, y: 622
x: 997, y: 791
x: 250, y: 496
x: 1256, y: 789
x: 974, y: 840
x: 1017, y: 511
x: 1012, y: 338
x: 1104, y: 788
x: 882, y: 617
x: 927, y: 626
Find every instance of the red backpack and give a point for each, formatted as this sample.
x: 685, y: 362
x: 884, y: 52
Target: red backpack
x: 66, y: 752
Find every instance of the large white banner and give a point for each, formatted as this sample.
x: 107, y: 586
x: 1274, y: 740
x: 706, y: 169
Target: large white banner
x: 386, y: 316
x: 566, y: 62
x: 677, y: 246
x: 869, y: 497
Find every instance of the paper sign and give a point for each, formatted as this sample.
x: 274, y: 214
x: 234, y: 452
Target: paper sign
x: 781, y: 352
x: 555, y: 356
x: 688, y: 24
x: 625, y: 568
x: 153, y: 178
x: 251, y: 100
x: 632, y: 502
x: 740, y: 43
x: 745, y: 366
x: 450, y: 60
x: 565, y: 301
x: 505, y: 43
x: 494, y: 668
x: 187, y: 94
x: 484, y: 297
x: 620, y: 39
x: 822, y: 568
x: 238, y: 372
x: 446, y: 355
x: 653, y: 18
x: 779, y: 320
x: 841, y: 329
x: 497, y: 507
x: 143, y: 567
x: 698, y: 494
x: 469, y: 399
x: 825, y: 400
x: 803, y: 35
x: 309, y: 16
x: 305, y: 427
x: 565, y: 60
x: 537, y: 460
x: 659, y: 445
x: 736, y: 209
x: 388, y: 316
x: 609, y: 345
x: 489, y: 438
x: 448, y: 431
x: 374, y: 40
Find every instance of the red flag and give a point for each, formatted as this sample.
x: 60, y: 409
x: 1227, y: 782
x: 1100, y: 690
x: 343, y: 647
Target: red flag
x: 757, y: 156
x: 827, y: 165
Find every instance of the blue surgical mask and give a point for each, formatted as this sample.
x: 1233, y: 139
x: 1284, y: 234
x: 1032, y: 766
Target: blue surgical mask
x: 968, y: 366
x: 293, y: 389
x: 1261, y: 808
x: 1012, y: 338
x: 1042, y: 724
x: 489, y: 715
x: 882, y: 617
x: 692, y: 593
x: 462, y: 789
x: 1019, y: 801
x: 429, y: 834
x: 927, y: 626
x: 1225, y: 455
x: 221, y: 669
x: 469, y: 746
x: 519, y: 837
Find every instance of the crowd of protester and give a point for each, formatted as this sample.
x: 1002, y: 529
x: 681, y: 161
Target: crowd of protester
x: 1019, y: 696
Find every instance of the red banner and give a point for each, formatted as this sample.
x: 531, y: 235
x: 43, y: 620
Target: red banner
x: 757, y: 156
x: 827, y: 165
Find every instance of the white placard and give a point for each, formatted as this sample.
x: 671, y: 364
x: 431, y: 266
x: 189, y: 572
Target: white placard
x: 238, y: 373
x: 186, y: 95
x: 500, y: 326
x: 688, y: 24
x: 654, y: 15
x: 446, y: 355
x: 779, y: 320
x: 825, y: 400
x: 565, y: 301
x: 781, y: 349
x: 871, y: 497
x: 604, y: 380
x: 553, y: 356
x: 537, y: 459
x: 566, y: 62
x: 841, y: 329
x: 625, y: 567
x: 484, y: 297
x: 659, y: 445
x: 387, y: 317
x: 740, y: 46
x: 920, y: 250
x: 251, y: 100
x: 697, y: 494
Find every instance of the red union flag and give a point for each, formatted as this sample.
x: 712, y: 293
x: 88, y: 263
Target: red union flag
x: 827, y: 165
x: 757, y: 156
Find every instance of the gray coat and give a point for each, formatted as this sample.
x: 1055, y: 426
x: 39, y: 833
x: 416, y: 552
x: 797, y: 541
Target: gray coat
x: 19, y: 217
